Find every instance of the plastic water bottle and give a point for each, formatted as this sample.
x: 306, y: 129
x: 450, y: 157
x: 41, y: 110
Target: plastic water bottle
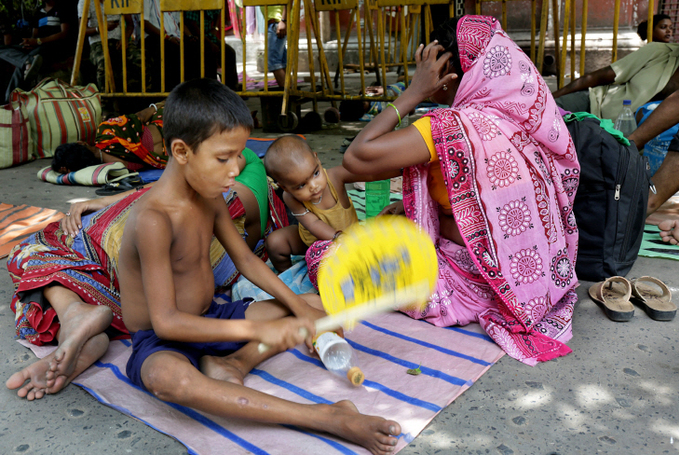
x: 376, y: 197
x: 625, y: 123
x: 338, y: 357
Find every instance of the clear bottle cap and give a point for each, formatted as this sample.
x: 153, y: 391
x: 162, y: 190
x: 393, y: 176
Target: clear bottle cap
x: 627, y: 102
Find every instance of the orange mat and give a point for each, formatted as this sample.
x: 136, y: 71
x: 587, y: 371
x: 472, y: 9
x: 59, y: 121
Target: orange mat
x: 19, y: 221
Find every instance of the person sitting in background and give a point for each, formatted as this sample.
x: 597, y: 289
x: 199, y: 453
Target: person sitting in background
x: 648, y: 74
x: 213, y: 51
x: 114, y: 47
x: 662, y: 29
x: 665, y: 179
x: 52, y: 40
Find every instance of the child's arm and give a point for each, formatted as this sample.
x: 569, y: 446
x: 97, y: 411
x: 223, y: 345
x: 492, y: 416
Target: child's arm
x: 152, y: 238
x: 252, y: 267
x: 318, y: 228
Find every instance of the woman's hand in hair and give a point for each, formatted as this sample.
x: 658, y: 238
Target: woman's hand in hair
x: 432, y: 73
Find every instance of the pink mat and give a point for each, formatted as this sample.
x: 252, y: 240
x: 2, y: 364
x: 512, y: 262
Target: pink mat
x: 452, y: 359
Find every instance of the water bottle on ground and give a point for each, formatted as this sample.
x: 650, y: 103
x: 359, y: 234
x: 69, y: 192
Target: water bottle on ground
x: 339, y: 357
x: 376, y: 197
x: 625, y: 123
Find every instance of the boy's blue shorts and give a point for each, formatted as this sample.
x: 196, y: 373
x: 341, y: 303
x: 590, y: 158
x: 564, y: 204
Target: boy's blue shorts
x: 278, y: 53
x: 146, y: 342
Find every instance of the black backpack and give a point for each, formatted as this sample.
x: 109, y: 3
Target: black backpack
x: 610, y: 205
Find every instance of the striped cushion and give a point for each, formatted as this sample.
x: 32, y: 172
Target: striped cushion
x: 97, y: 175
x: 60, y: 113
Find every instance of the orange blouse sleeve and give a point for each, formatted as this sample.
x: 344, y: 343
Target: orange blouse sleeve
x: 423, y: 125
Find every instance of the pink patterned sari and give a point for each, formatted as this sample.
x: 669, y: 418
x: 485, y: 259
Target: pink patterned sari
x: 511, y: 172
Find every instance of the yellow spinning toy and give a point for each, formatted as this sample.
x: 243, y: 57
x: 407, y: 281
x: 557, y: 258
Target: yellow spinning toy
x: 383, y: 265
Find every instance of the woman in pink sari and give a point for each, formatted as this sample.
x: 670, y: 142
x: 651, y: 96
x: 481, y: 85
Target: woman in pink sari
x: 492, y: 180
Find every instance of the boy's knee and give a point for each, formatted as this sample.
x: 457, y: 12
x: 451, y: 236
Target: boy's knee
x: 166, y: 384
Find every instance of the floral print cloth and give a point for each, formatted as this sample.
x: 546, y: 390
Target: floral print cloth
x: 511, y: 172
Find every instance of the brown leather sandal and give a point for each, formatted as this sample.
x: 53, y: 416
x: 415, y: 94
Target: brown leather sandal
x: 613, y: 295
x: 654, y: 297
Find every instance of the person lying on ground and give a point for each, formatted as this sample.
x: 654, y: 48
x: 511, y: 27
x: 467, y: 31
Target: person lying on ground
x: 648, y: 74
x: 251, y: 187
x: 665, y: 181
x: 51, y: 41
x: 166, y: 286
x: 316, y: 197
x: 492, y: 185
x: 133, y: 139
x: 662, y: 29
x: 62, y: 273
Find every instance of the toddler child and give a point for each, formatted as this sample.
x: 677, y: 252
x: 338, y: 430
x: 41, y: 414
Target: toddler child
x: 316, y: 197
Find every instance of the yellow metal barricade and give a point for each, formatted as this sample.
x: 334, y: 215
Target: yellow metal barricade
x: 386, y: 33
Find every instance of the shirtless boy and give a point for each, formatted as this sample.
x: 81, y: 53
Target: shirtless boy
x: 167, y: 284
x: 316, y: 197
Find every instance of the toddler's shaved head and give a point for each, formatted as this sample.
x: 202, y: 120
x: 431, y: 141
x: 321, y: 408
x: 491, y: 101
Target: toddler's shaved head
x: 286, y: 153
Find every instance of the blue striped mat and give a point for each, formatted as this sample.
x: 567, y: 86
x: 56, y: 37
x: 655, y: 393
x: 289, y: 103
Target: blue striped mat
x: 451, y: 360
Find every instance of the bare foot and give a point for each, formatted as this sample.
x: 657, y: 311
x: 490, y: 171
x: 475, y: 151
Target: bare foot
x: 669, y: 231
x: 79, y: 323
x: 35, y: 374
x: 222, y: 368
x: 372, y: 432
x: 91, y: 351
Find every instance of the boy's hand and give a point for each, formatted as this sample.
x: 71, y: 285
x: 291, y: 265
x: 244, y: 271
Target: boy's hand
x: 286, y: 333
x: 312, y: 313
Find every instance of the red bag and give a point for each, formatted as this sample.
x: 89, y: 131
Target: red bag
x: 16, y: 142
x: 60, y: 113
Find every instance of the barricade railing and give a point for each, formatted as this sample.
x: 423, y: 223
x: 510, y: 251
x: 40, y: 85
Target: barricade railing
x: 386, y: 33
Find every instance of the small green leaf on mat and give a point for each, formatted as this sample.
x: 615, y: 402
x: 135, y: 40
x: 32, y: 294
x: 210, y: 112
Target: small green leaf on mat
x: 415, y: 371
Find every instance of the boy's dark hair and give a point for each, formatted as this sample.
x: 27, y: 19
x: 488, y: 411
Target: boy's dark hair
x: 446, y: 34
x: 73, y: 156
x: 200, y: 108
x: 351, y: 110
x: 642, y: 28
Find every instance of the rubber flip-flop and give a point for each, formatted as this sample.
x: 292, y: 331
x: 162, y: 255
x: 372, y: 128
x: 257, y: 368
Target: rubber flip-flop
x: 654, y: 297
x: 613, y: 295
x: 121, y: 184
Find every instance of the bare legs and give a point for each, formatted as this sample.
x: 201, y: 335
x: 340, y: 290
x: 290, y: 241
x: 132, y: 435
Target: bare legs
x: 665, y: 181
x: 81, y: 343
x: 279, y: 74
x: 283, y: 243
x: 171, y: 377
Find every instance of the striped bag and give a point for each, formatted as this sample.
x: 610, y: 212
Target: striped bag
x: 60, y: 113
x: 16, y: 142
